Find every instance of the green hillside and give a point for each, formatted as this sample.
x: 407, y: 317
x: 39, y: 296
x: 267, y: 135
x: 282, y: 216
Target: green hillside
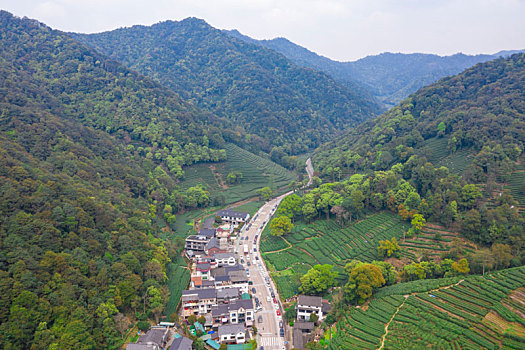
x: 278, y: 105
x: 257, y: 172
x: 90, y: 156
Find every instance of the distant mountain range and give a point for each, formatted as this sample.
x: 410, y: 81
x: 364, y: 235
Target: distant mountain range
x: 283, y: 108
x: 390, y: 77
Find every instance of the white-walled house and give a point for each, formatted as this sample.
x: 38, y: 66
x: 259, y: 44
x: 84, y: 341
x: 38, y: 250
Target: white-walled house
x: 232, y: 216
x: 307, y: 305
x: 232, y: 334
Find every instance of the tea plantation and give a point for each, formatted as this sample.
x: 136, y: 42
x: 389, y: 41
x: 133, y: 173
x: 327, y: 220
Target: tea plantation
x: 477, y: 312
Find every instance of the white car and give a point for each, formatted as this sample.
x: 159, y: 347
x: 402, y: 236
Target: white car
x: 268, y: 298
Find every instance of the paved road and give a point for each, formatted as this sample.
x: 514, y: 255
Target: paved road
x: 268, y: 330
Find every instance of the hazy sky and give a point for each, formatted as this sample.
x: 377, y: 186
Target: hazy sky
x: 340, y: 29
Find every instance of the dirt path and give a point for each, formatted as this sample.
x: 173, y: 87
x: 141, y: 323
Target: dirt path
x: 403, y: 303
x: 280, y: 250
x: 389, y: 321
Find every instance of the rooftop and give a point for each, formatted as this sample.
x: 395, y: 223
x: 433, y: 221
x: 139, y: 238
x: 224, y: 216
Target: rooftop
x: 207, y: 293
x: 309, y: 301
x: 181, y: 343
x: 233, y: 213
x: 303, y: 325
x: 228, y: 293
x: 154, y: 335
x: 231, y: 329
x: 207, y: 232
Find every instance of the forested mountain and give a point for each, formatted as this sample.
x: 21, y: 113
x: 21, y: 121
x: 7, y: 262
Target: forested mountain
x: 89, y: 157
x: 391, y: 77
x: 472, y: 123
x: 282, y: 108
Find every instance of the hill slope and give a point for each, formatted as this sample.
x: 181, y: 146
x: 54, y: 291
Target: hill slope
x: 481, y: 107
x: 89, y: 157
x: 391, y: 77
x: 262, y: 92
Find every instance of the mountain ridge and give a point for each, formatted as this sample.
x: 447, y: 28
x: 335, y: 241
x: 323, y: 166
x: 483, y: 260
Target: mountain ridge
x: 384, y: 74
x: 283, y: 107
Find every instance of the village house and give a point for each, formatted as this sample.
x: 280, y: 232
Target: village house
x: 198, y: 302
x: 232, y: 334
x: 306, y: 305
x: 196, y: 244
x: 235, y: 312
x: 213, y: 247
x: 154, y: 339
x: 233, y: 217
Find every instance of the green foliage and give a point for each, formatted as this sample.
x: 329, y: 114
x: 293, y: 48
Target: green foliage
x: 280, y: 225
x: 234, y: 177
x: 90, y: 156
x: 388, y: 248
x: 318, y: 279
x: 362, y: 281
x: 466, y: 119
x: 265, y: 193
x: 258, y: 90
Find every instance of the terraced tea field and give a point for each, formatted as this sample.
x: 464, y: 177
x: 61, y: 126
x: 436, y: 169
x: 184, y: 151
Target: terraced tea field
x: 257, y: 171
x: 438, y: 155
x: 432, y: 241
x: 326, y: 242
x: 179, y: 278
x: 517, y: 187
x: 474, y: 313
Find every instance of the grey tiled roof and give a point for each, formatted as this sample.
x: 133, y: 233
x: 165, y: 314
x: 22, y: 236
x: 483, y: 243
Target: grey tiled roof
x: 181, y: 343
x: 231, y: 329
x: 227, y: 293
x: 207, y: 232
x: 309, y: 300
x: 207, y: 293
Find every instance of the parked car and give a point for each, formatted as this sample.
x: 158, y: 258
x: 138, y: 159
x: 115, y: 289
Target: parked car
x: 282, y: 332
x: 278, y: 312
x: 256, y: 258
x: 248, y: 263
x: 254, y: 290
x: 255, y: 249
x: 280, y: 324
x: 275, y: 301
x: 259, y: 319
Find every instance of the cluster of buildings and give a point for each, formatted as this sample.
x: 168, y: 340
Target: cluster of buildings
x: 219, y: 287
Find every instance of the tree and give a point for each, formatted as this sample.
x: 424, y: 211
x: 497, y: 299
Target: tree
x: 223, y: 346
x: 143, y: 326
x: 318, y: 279
x: 481, y: 261
x: 388, y: 248
x: 361, y: 283
x: 265, y: 193
x: 198, y: 344
x: 234, y: 177
x: 413, y: 272
x: 122, y: 323
x: 418, y: 222
x: 461, y: 267
x: 290, y: 206
x: 192, y: 319
x: 501, y: 254
x: 202, y: 320
x: 280, y: 225
x: 387, y: 270
x: 314, y: 318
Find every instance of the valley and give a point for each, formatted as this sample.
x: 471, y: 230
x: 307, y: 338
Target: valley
x: 178, y: 186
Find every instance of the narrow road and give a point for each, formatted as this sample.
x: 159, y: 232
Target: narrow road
x: 309, y: 171
x: 269, y: 329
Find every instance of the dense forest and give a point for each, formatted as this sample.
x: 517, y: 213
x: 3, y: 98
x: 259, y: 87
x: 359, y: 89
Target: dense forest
x: 90, y: 153
x: 478, y: 117
x: 276, y: 106
x: 390, y: 77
